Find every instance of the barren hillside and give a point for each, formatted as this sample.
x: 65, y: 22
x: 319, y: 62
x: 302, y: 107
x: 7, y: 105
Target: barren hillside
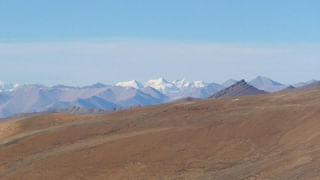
x: 272, y: 136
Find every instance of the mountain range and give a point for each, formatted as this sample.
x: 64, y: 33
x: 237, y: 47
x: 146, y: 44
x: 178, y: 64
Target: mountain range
x: 35, y: 98
x: 16, y: 98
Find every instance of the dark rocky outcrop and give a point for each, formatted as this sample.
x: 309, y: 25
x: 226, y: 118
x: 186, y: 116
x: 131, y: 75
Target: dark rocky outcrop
x: 241, y: 88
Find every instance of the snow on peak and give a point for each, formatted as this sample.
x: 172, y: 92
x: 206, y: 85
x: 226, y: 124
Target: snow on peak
x: 160, y: 80
x: 132, y: 83
x: 181, y: 83
x: 161, y: 84
x: 165, y: 86
x: 199, y: 84
x: 186, y: 84
x: 8, y: 86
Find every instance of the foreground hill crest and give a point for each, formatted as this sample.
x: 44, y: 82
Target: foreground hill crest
x: 274, y: 136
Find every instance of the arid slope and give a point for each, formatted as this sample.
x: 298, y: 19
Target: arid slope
x: 272, y: 136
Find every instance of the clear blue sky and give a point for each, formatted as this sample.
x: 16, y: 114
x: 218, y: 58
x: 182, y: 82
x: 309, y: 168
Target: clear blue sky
x: 79, y: 42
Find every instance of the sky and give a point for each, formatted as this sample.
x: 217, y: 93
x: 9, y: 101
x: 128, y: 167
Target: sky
x: 79, y: 42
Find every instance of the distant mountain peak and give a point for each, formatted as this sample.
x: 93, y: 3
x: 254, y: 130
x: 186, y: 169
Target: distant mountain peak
x: 242, y: 81
x: 132, y: 83
x: 161, y: 84
x: 265, y: 80
x: 241, y: 88
x: 266, y: 84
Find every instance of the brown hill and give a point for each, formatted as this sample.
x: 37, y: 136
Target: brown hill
x: 241, y: 88
x: 288, y: 89
x: 274, y: 136
x: 312, y: 86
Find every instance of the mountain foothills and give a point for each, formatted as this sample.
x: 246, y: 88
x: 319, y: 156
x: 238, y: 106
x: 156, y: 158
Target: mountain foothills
x: 16, y: 98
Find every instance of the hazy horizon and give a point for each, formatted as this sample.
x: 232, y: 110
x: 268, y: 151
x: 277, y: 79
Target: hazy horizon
x: 81, y: 43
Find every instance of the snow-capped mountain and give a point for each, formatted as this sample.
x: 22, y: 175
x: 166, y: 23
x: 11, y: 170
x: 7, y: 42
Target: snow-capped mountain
x: 36, y: 98
x: 266, y: 84
x: 182, y: 88
x: 162, y: 85
x: 199, y: 91
x: 186, y: 84
x: 181, y: 83
x: 133, y: 83
x: 199, y: 84
x: 7, y: 86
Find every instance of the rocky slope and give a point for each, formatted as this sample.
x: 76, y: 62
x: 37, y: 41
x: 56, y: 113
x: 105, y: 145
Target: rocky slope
x: 241, y: 88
